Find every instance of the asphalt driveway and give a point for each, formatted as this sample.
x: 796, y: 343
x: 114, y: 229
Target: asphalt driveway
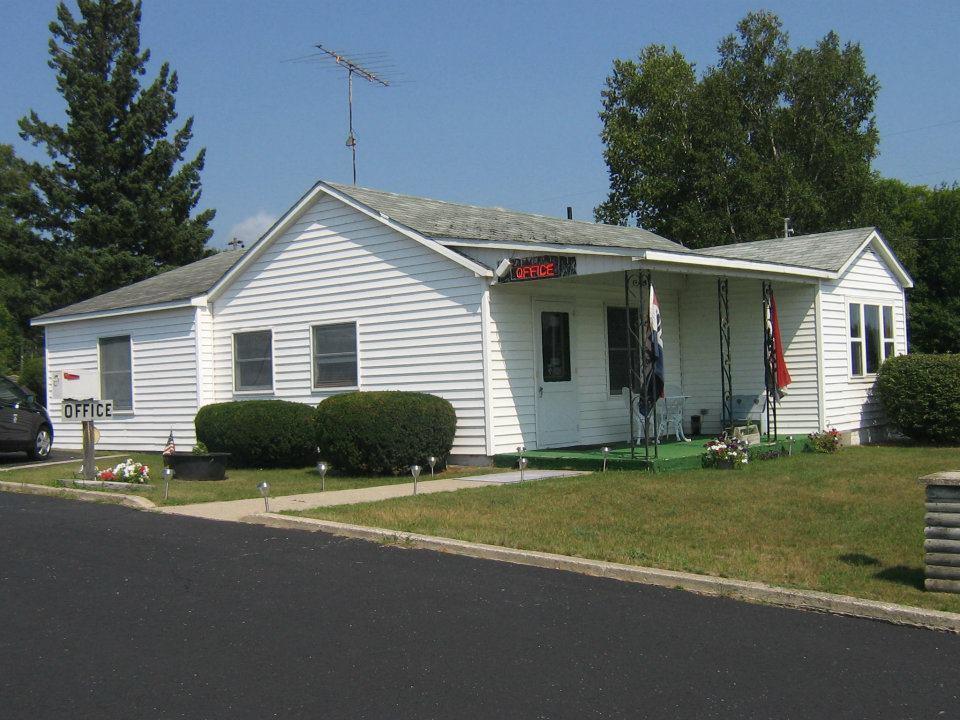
x: 109, y: 612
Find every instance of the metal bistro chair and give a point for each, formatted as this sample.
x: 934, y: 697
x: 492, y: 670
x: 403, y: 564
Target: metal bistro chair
x: 639, y: 419
x: 670, y: 415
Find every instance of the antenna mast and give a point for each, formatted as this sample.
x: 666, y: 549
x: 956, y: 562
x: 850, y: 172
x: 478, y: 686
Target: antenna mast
x: 352, y: 68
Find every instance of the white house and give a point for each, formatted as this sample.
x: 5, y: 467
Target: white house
x: 360, y: 289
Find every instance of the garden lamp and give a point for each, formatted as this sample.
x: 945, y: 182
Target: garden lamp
x: 264, y: 489
x: 523, y: 465
x: 415, y: 471
x: 322, y: 471
x: 606, y: 452
x: 167, y: 477
x: 431, y: 461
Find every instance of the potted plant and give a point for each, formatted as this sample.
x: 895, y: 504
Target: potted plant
x: 726, y: 452
x: 198, y: 464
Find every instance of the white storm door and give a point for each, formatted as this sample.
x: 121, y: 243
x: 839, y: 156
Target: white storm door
x: 558, y: 414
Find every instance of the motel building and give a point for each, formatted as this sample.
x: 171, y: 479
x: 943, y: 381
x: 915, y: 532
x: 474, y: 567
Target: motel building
x: 519, y: 320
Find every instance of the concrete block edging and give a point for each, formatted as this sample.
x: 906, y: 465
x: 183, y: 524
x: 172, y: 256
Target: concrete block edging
x: 126, y: 499
x: 703, y: 584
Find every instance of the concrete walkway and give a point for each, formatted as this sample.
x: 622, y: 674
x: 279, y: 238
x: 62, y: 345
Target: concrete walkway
x: 234, y: 510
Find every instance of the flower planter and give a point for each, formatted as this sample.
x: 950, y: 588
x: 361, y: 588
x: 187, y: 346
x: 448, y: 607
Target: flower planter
x: 193, y: 466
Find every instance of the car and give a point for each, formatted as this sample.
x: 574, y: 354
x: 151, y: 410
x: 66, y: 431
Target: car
x: 24, y: 423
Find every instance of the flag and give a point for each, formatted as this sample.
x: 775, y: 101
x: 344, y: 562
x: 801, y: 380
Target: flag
x: 653, y: 350
x: 776, y: 382
x: 171, y: 446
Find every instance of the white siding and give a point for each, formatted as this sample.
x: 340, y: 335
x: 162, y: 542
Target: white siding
x: 700, y: 335
x: 418, y: 313
x: 603, y: 417
x: 163, y: 349
x: 850, y: 403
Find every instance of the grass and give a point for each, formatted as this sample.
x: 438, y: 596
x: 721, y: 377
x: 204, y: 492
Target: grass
x: 850, y: 523
x: 240, y: 483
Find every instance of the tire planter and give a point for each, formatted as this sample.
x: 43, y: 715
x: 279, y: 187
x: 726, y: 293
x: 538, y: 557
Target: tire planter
x: 192, y: 466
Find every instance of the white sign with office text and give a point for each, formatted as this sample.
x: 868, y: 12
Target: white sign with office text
x: 87, y: 410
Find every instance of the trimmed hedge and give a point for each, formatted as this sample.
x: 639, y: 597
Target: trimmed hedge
x: 259, y: 433
x: 921, y: 396
x: 384, y: 432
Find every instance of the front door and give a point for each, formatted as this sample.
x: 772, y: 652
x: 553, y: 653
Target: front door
x: 558, y: 415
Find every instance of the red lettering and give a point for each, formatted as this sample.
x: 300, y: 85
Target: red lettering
x: 532, y: 272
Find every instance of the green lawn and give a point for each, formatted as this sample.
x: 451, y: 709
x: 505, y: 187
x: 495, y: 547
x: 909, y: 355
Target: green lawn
x: 239, y: 484
x: 850, y: 523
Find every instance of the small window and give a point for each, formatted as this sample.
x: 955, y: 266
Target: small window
x: 253, y: 361
x: 116, y: 376
x: 555, y: 343
x: 871, y: 337
x: 335, y: 355
x: 618, y: 360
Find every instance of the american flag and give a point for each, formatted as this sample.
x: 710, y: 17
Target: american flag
x: 170, y: 447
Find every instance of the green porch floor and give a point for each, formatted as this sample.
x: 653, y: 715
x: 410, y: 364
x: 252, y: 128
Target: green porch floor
x: 672, y: 455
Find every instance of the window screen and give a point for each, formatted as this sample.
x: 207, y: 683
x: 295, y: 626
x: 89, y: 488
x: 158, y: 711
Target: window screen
x: 253, y: 361
x: 116, y: 376
x: 618, y: 362
x: 335, y: 355
x: 555, y: 344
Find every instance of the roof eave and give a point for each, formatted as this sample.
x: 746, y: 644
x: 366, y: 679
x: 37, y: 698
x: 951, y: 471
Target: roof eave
x: 44, y: 320
x: 753, y: 267
x: 876, y: 239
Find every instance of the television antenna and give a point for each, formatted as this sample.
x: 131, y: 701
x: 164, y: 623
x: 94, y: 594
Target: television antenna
x: 353, y: 67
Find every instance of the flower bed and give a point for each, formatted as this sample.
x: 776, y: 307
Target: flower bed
x: 826, y: 441
x: 127, y: 472
x: 726, y: 452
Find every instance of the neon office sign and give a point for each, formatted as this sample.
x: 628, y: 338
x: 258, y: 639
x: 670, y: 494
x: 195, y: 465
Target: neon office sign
x: 541, y: 267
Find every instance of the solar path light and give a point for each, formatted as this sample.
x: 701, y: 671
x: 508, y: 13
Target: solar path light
x: 431, y: 461
x: 167, y: 477
x: 264, y: 489
x: 523, y: 465
x: 606, y: 453
x: 322, y: 472
x: 415, y: 471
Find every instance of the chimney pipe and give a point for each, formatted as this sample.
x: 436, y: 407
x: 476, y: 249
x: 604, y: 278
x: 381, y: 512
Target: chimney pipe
x: 569, y: 213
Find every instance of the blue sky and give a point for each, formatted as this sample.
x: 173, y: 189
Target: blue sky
x: 498, y: 101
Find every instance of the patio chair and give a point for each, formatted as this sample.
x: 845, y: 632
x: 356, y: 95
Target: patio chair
x: 670, y: 415
x: 639, y: 420
x: 749, y: 410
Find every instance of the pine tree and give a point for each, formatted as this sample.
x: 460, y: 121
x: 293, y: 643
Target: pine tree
x: 117, y: 193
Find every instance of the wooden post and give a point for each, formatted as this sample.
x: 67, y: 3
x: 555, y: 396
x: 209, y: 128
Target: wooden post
x: 88, y: 453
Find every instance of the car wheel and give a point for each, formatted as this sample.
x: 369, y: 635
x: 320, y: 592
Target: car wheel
x: 41, y: 444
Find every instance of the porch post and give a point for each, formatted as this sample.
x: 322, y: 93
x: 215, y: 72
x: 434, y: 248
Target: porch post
x: 635, y: 284
x: 726, y: 378
x: 769, y: 361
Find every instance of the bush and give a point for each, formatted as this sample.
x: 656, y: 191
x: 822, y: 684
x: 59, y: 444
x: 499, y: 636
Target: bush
x: 384, y: 432
x: 33, y: 377
x: 826, y: 441
x: 259, y: 433
x: 921, y: 396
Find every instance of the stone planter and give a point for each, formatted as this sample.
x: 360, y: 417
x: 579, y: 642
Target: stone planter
x: 193, y: 466
x: 942, y: 532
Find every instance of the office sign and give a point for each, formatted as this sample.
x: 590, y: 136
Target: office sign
x: 87, y: 410
x: 542, y: 267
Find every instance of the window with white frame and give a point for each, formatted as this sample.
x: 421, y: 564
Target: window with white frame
x: 871, y: 337
x: 618, y: 355
x: 253, y: 361
x: 335, y: 355
x: 116, y: 372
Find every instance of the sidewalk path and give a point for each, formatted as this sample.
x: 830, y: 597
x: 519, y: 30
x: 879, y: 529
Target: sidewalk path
x: 234, y: 510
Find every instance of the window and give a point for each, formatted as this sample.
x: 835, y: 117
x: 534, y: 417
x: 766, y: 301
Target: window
x: 555, y: 343
x: 335, y: 355
x: 10, y: 395
x: 871, y: 337
x: 116, y: 377
x: 618, y: 362
x: 253, y: 361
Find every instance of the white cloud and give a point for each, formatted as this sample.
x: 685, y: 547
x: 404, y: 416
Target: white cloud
x: 250, y: 229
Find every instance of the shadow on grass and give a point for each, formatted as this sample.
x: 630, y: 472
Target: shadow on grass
x: 858, y: 559
x: 903, y: 575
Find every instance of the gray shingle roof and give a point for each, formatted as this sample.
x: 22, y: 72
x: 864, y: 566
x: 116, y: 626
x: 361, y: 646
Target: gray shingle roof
x: 442, y: 220
x: 180, y: 283
x: 821, y: 251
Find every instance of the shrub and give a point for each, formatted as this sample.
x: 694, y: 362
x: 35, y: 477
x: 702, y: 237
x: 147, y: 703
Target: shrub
x: 826, y: 441
x: 33, y: 377
x: 921, y: 396
x: 384, y: 432
x: 259, y: 433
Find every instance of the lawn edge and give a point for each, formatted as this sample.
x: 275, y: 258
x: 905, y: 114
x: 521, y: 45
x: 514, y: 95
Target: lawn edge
x: 702, y: 584
x: 132, y: 501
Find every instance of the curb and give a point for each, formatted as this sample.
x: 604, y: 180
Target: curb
x: 703, y: 584
x: 132, y: 501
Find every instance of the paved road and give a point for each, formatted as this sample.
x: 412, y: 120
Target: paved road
x: 107, y: 612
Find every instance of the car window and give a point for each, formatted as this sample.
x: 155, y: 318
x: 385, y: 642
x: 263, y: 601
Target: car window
x: 9, y: 393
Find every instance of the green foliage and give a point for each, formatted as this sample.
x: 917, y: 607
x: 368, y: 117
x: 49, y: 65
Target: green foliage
x: 117, y: 196
x: 200, y: 449
x: 384, y: 432
x: 826, y: 441
x: 259, y: 433
x: 33, y: 377
x: 766, y: 133
x: 921, y: 396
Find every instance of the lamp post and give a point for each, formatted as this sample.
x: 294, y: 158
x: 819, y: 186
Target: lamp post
x: 322, y: 472
x: 415, y: 471
x: 167, y: 477
x: 431, y: 461
x: 523, y: 465
x: 606, y: 452
x: 264, y: 489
